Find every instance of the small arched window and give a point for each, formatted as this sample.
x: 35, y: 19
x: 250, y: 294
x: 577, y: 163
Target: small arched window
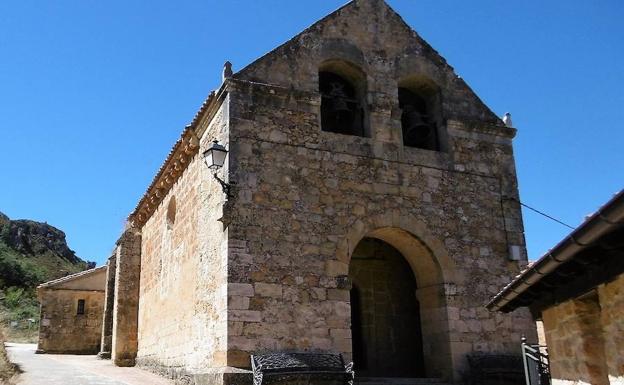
x: 342, y: 87
x: 420, y: 115
x: 171, y: 213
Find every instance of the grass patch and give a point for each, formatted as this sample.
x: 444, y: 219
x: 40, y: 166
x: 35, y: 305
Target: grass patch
x: 19, y: 314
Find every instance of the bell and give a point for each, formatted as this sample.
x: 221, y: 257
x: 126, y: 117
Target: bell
x: 417, y: 132
x: 413, y: 120
x: 338, y: 105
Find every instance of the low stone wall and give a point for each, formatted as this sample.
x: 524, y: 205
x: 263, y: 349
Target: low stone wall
x: 585, y: 337
x: 612, y: 319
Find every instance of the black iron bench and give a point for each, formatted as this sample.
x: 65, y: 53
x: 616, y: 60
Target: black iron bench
x: 301, y: 368
x: 495, y: 369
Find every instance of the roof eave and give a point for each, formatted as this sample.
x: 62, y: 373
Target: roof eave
x: 611, y: 214
x: 177, y: 160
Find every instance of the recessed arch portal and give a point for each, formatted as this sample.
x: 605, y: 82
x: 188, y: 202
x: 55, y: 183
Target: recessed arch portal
x: 427, y: 274
x: 385, y: 313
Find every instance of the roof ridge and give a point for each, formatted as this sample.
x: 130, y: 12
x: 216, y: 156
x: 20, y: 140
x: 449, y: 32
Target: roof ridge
x: 287, y: 42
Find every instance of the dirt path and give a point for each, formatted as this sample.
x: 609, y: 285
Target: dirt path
x: 54, y: 369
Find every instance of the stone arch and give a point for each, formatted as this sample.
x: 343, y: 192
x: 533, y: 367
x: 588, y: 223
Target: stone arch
x: 403, y: 232
x: 171, y: 213
x: 344, y: 50
x: 343, y: 87
x: 422, y: 121
x: 435, y: 273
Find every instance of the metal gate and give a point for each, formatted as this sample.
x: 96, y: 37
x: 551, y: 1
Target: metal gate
x: 536, y: 365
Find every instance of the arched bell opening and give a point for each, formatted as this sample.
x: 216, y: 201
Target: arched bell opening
x: 421, y: 117
x: 342, y: 86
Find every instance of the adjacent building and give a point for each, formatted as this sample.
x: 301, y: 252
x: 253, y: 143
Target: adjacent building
x: 72, y: 308
x: 577, y: 290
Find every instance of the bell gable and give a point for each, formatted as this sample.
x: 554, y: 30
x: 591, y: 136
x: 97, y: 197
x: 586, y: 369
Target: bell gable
x: 372, y: 38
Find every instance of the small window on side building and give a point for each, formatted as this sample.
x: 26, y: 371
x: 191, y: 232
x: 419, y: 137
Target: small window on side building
x: 171, y: 213
x: 81, y: 307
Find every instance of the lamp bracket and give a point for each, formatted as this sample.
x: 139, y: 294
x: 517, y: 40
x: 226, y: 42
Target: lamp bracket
x: 226, y: 187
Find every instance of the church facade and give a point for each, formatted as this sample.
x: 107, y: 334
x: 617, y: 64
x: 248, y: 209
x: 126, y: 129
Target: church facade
x: 367, y: 205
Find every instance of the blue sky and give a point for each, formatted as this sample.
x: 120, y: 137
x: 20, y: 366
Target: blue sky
x: 93, y: 94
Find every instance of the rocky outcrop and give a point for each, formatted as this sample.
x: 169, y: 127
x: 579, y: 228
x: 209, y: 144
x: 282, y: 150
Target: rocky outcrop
x: 34, y: 252
x: 35, y: 238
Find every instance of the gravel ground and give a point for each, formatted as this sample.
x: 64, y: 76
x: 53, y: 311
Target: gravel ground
x: 56, y: 369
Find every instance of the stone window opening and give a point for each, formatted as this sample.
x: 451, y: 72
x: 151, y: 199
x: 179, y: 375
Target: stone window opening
x: 343, y: 98
x: 421, y: 121
x: 80, y: 310
x: 171, y: 213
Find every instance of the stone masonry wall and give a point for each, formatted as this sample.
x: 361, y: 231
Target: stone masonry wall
x: 585, y: 337
x: 305, y: 197
x: 109, y: 303
x: 611, y: 296
x: 62, y: 330
x: 575, y: 342
x: 182, y: 324
x: 126, y: 298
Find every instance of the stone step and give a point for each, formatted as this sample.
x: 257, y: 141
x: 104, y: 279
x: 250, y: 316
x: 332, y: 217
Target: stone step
x: 398, y: 381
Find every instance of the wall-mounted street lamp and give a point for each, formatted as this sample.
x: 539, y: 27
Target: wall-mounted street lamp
x: 214, y: 158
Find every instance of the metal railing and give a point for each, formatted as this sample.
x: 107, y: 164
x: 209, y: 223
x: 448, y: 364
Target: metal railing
x: 536, y: 364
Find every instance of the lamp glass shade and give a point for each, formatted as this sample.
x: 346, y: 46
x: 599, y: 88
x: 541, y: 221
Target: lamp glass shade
x: 215, y: 156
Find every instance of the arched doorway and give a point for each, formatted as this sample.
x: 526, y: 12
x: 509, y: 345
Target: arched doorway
x: 385, y: 313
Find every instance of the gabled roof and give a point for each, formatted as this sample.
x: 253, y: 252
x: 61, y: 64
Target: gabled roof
x: 175, y: 163
x: 288, y: 45
x: 378, y: 16
x: 72, y: 277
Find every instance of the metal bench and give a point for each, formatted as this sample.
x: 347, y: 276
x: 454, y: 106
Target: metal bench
x: 301, y: 368
x: 495, y: 369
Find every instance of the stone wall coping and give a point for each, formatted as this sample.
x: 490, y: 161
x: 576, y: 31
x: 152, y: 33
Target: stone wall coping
x: 481, y: 127
x: 65, y: 289
x: 72, y: 277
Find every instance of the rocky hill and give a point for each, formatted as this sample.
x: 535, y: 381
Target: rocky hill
x: 30, y: 253
x: 34, y: 252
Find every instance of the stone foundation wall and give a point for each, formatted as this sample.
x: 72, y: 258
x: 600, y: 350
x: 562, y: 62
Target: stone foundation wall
x: 183, y: 288
x: 124, y: 339
x: 62, y: 330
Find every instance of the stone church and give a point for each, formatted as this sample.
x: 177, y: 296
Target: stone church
x: 367, y: 205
